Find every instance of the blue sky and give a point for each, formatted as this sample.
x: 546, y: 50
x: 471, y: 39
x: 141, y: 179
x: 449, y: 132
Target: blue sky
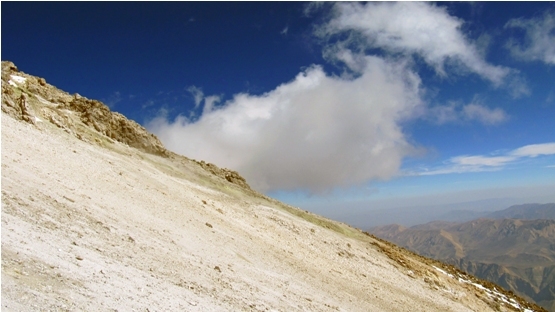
x: 339, y: 108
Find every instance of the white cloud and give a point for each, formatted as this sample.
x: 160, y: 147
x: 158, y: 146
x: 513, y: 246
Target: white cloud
x: 197, y: 94
x: 535, y: 150
x: 463, y: 164
x: 454, y: 112
x: 209, y: 103
x: 411, y: 28
x: 444, y: 113
x: 481, y: 160
x: 517, y: 85
x: 113, y: 99
x: 484, y: 114
x: 316, y: 132
x: 320, y: 132
x: 539, y: 40
x: 478, y: 163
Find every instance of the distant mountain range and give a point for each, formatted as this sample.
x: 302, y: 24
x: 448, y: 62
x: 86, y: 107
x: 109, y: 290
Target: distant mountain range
x: 455, y: 212
x: 526, y: 212
x: 514, y: 247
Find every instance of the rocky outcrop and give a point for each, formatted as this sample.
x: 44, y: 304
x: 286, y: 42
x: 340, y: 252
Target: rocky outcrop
x: 98, y: 116
x: 224, y: 173
x: 33, y: 100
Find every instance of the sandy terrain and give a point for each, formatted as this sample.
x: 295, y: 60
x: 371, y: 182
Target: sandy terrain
x: 102, y: 226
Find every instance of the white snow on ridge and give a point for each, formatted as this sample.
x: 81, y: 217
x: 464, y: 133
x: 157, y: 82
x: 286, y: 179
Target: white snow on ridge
x: 490, y: 293
x: 442, y: 271
x: 15, y: 80
x: 18, y: 79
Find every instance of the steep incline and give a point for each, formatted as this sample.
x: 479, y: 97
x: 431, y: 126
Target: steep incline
x: 98, y: 220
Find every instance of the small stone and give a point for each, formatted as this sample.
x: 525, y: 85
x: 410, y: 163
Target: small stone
x: 79, y: 258
x: 217, y: 268
x: 208, y: 225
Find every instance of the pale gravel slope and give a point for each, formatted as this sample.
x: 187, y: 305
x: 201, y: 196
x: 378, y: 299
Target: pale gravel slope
x: 144, y: 242
x: 87, y: 228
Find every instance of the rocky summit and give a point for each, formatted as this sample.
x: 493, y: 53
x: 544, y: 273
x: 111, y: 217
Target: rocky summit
x: 98, y: 216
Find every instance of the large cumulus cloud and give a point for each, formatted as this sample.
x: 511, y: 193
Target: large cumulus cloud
x: 315, y: 132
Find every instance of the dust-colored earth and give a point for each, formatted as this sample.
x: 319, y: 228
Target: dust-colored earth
x: 90, y: 223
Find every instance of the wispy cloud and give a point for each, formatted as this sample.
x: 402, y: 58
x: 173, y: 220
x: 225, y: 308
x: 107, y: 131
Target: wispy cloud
x: 534, y: 150
x: 479, y: 163
x: 484, y: 114
x: 474, y: 111
x: 539, y: 39
x: 113, y: 99
x: 517, y: 85
x: 409, y: 28
x: 197, y: 94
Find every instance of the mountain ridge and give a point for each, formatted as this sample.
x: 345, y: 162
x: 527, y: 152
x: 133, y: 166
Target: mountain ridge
x: 95, y: 219
x: 526, y: 211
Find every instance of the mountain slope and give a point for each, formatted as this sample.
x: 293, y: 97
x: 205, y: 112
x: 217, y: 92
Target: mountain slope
x: 516, y: 254
x: 98, y: 220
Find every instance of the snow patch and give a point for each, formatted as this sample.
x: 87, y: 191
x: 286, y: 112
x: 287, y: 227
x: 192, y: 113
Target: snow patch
x: 490, y: 293
x: 16, y: 79
x: 442, y: 271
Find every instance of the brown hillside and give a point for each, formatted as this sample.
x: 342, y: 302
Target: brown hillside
x: 516, y: 254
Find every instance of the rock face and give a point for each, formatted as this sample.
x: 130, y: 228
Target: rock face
x: 518, y: 255
x: 31, y: 99
x: 224, y: 173
x: 97, y: 216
